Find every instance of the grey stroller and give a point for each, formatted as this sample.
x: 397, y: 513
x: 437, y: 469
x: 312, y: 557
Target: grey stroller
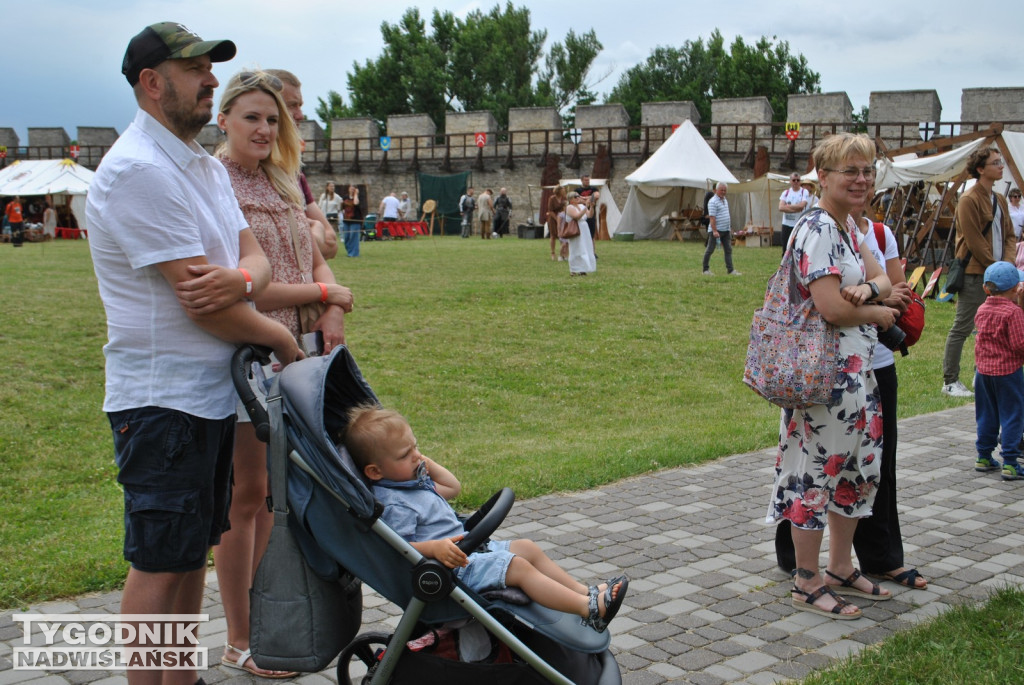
x: 336, y: 522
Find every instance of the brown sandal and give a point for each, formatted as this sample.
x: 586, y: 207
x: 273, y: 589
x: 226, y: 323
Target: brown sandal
x: 809, y: 599
x: 848, y: 589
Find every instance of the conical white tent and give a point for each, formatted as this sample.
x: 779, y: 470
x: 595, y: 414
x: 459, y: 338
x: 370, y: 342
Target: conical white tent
x: 48, y: 177
x: 673, y: 178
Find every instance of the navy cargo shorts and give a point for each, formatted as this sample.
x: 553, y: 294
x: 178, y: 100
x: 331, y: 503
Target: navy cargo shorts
x: 175, y: 470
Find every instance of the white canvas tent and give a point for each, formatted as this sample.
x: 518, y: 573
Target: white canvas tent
x: 675, y: 177
x: 612, y: 213
x: 48, y: 177
x: 759, y: 198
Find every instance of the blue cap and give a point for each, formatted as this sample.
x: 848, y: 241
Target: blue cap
x: 1003, y: 275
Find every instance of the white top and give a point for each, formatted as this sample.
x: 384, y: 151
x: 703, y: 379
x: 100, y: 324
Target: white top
x: 155, y: 199
x: 883, y: 355
x: 1017, y: 218
x: 330, y: 205
x: 794, y: 197
x: 404, y: 208
x: 390, y: 205
x: 719, y: 208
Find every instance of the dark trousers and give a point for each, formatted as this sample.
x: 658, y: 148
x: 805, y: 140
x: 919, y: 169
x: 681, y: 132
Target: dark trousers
x: 999, y: 403
x: 877, y: 541
x: 786, y: 232
x: 726, y: 238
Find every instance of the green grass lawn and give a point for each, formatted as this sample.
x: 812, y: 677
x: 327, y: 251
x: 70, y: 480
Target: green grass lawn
x: 510, y: 372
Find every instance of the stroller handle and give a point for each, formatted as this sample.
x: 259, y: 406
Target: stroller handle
x: 241, y: 361
x: 486, y: 520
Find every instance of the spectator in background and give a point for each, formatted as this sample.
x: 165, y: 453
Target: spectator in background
x: 581, y: 248
x: 352, y: 221
x: 1016, y: 212
x: 467, y: 205
x: 502, y: 213
x: 556, y: 206
x: 983, y: 229
x: 325, y: 238
x: 330, y: 204
x: 485, y: 205
x: 49, y: 219
x: 16, y: 220
x: 792, y: 203
x: 389, y: 207
x: 719, y: 230
x: 405, y: 207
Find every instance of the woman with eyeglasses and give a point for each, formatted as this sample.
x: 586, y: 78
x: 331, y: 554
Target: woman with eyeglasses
x: 1016, y: 213
x: 262, y: 157
x: 828, y: 462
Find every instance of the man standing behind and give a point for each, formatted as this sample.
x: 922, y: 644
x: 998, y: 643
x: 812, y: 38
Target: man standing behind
x: 467, y: 205
x: 322, y: 232
x: 173, y: 284
x: 984, y: 230
x: 502, y: 213
x: 16, y: 220
x: 793, y: 201
x: 719, y: 229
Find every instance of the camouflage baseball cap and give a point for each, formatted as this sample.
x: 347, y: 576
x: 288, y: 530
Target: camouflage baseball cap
x: 169, y: 40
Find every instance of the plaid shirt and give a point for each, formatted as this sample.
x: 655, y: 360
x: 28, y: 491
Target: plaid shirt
x: 999, y: 347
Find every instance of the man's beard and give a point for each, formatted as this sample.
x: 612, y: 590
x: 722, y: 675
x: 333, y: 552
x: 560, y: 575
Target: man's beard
x: 185, y: 120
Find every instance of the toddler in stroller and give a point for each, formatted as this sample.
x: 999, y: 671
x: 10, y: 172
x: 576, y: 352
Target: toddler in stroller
x: 414, y: 491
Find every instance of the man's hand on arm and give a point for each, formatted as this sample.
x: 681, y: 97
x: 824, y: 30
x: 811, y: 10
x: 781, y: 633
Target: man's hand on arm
x: 236, y: 322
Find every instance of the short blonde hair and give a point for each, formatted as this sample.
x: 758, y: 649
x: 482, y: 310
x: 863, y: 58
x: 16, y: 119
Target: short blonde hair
x: 839, y: 147
x: 282, y: 166
x: 368, y: 427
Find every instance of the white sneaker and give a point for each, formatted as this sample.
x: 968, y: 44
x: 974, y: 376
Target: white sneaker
x: 735, y: 273
x: 956, y: 389
x: 708, y: 273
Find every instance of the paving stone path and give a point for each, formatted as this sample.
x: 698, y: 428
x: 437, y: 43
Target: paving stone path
x: 707, y: 604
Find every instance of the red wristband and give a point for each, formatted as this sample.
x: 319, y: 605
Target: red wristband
x: 323, y: 291
x: 248, y: 282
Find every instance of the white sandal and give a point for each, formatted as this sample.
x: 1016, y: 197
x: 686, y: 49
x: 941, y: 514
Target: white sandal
x: 246, y: 655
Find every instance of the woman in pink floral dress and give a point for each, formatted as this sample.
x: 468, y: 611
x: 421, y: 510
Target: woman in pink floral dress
x: 829, y: 456
x: 262, y: 156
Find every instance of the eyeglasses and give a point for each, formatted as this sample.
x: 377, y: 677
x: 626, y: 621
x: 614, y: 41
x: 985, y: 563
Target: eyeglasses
x: 997, y: 162
x: 851, y: 173
x: 249, y: 79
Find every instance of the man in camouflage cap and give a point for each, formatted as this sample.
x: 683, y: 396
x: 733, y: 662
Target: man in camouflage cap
x: 175, y: 261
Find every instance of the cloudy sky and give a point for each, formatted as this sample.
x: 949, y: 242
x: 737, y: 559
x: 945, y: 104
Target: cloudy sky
x: 61, y: 59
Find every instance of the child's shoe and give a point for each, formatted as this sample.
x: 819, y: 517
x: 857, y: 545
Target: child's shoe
x: 985, y: 464
x: 1013, y: 472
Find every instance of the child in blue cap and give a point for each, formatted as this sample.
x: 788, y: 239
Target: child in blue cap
x: 999, y: 380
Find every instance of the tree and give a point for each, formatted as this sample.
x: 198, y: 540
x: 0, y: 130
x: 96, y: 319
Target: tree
x: 332, y: 108
x: 563, y: 82
x: 487, y: 61
x: 701, y: 73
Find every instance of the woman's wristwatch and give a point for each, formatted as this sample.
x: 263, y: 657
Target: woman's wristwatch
x: 874, y: 290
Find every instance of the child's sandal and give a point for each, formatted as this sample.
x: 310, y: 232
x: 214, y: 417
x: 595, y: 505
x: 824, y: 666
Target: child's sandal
x: 611, y: 604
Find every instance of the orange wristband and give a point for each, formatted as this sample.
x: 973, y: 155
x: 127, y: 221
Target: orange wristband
x: 248, y: 282
x: 323, y: 291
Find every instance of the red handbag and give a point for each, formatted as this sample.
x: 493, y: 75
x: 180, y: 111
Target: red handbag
x: 911, y: 322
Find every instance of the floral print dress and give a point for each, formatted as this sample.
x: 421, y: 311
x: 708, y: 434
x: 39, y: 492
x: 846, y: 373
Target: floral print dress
x: 830, y: 455
x: 267, y: 214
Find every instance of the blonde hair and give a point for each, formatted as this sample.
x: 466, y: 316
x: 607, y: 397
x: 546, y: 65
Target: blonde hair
x: 285, y: 76
x: 839, y: 147
x: 285, y: 159
x: 368, y: 427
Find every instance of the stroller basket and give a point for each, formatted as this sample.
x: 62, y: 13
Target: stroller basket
x: 336, y: 523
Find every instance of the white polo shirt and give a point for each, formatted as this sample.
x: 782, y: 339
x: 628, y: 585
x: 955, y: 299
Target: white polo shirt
x: 156, y: 199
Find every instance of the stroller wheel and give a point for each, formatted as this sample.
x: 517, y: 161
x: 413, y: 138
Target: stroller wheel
x: 360, y: 657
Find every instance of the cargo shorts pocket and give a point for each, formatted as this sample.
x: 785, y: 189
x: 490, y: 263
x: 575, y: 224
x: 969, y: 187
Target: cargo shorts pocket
x: 164, y: 530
